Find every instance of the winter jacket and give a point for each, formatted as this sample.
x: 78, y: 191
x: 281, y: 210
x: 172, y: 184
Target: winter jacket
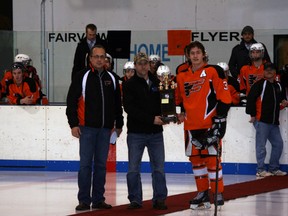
x: 94, y: 100
x: 263, y: 101
x: 142, y: 103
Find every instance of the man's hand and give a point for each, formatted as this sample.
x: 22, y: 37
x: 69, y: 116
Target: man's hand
x: 76, y: 132
x: 252, y: 119
x: 118, y: 131
x: 27, y: 100
x: 180, y: 117
x: 158, y: 120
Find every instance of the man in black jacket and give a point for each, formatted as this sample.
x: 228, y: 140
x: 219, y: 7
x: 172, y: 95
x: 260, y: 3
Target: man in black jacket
x: 141, y: 101
x: 240, y: 53
x: 93, y: 110
x: 263, y: 105
x: 81, y: 57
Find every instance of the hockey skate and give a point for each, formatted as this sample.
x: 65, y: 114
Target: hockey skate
x: 201, y: 201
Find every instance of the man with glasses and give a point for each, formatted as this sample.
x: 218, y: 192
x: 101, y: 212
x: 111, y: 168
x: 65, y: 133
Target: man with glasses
x: 93, y: 110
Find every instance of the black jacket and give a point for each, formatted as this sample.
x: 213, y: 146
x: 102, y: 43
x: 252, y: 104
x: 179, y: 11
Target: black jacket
x: 142, y: 103
x: 81, y: 57
x: 263, y: 101
x: 99, y: 104
x: 240, y: 57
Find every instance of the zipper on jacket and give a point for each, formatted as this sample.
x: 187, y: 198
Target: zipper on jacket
x: 103, y: 101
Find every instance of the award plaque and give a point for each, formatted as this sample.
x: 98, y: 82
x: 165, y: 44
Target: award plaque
x: 167, y: 94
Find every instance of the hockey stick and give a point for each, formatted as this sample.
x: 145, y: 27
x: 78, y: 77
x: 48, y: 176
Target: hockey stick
x: 217, y: 177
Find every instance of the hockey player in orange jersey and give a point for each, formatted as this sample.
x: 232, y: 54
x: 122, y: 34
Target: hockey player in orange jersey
x: 251, y: 73
x: 203, y: 94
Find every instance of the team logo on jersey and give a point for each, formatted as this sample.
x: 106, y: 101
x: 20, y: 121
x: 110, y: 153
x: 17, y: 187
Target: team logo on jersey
x: 252, y: 78
x: 193, y: 86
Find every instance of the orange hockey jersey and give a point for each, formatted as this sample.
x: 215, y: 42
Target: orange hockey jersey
x: 249, y: 74
x: 27, y: 88
x: 199, y: 92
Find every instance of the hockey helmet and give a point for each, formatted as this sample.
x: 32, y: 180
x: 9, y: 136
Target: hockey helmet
x: 163, y: 70
x: 257, y: 46
x: 23, y: 58
x: 223, y: 65
x: 154, y: 58
x: 129, y: 65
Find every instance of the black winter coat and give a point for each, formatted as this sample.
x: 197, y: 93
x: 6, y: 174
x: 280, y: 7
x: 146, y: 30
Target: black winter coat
x: 142, y: 103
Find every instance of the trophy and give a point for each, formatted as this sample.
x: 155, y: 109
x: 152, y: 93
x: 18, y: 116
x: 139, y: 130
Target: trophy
x: 167, y: 94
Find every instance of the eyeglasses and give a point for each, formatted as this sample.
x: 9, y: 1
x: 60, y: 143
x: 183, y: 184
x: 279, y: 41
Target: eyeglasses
x: 102, y: 57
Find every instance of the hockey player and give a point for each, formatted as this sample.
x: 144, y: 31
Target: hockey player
x: 22, y: 58
x: 233, y: 85
x: 204, y: 95
x: 128, y: 70
x: 249, y: 74
x: 154, y: 63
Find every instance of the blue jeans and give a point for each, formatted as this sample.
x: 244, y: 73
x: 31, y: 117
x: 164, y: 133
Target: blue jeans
x: 155, y: 146
x: 269, y: 132
x: 94, y: 147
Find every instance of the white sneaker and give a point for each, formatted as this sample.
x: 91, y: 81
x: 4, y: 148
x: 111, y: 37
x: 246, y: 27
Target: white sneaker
x: 279, y: 173
x: 263, y: 174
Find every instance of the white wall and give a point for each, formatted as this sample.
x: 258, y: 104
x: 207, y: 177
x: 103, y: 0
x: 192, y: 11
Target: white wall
x: 73, y: 15
x: 42, y: 133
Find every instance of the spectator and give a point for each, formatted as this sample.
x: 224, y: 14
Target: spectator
x: 81, y: 57
x: 21, y: 89
x: 263, y: 105
x: 233, y: 85
x: 93, y: 107
x: 203, y: 93
x: 240, y: 53
x: 141, y: 101
x: 154, y: 63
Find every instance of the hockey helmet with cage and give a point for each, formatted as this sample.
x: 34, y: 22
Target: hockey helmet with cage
x: 23, y: 58
x: 258, y: 47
